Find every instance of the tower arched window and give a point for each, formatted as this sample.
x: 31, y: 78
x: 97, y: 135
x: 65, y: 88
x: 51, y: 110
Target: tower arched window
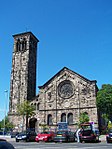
x: 24, y: 44
x: 70, y: 118
x: 38, y: 106
x: 63, y: 117
x: 35, y: 106
x: 18, y: 45
x: 49, y: 119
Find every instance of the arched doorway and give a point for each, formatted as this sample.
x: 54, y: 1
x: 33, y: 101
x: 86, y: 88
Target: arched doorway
x: 32, y: 123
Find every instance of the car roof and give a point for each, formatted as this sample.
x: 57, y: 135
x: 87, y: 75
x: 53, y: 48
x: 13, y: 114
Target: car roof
x: 85, y: 124
x: 6, y: 145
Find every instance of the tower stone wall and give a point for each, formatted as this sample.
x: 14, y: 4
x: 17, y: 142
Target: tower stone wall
x: 23, y: 73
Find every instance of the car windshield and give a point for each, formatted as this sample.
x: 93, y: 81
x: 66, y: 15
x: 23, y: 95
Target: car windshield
x: 23, y: 133
x: 97, y: 131
x: 47, y: 132
x: 61, y: 132
x: 86, y: 127
x: 110, y: 131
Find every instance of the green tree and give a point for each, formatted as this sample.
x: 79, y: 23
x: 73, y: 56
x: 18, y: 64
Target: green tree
x: 8, y: 125
x: 26, y: 110
x: 104, y: 100
x: 83, y: 118
x: 44, y: 127
x: 109, y: 125
x: 105, y: 117
x: 1, y: 124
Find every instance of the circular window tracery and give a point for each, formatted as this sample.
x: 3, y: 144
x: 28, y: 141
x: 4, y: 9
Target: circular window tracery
x: 66, y: 89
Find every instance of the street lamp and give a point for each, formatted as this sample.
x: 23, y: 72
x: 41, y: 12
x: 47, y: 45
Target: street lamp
x: 5, y: 107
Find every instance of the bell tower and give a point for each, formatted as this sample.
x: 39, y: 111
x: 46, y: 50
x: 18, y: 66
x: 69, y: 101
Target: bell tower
x: 23, y: 73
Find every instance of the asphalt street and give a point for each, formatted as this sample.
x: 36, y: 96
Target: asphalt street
x: 75, y: 145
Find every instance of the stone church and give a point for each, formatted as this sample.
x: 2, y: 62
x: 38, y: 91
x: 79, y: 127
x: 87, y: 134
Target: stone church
x: 61, y: 99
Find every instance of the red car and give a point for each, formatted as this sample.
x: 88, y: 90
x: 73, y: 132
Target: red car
x: 45, y: 136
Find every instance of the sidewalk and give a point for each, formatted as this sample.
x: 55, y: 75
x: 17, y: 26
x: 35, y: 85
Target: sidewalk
x: 8, y: 138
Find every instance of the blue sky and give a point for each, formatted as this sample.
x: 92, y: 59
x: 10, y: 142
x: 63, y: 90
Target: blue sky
x: 72, y: 33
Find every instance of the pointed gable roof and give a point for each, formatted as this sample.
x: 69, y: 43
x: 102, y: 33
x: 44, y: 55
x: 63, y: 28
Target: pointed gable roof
x: 62, y: 70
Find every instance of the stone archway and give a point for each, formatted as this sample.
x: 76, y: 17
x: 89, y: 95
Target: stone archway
x: 32, y: 123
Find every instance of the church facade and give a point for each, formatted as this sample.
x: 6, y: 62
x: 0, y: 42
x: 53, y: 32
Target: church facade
x: 61, y: 99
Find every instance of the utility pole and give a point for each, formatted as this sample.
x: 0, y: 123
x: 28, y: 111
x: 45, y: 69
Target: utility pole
x: 5, y: 108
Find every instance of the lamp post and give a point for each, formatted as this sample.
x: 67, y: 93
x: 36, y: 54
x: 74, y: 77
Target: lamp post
x: 5, y: 107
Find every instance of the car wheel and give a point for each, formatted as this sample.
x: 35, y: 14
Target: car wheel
x: 49, y: 139
x: 27, y: 139
x: 97, y: 140
x: 17, y: 140
x: 68, y: 140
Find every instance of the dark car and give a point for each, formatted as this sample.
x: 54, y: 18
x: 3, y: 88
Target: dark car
x: 2, y: 139
x: 5, y: 145
x: 109, y: 136
x: 26, y: 136
x: 14, y: 134
x: 64, y: 136
x: 87, y: 133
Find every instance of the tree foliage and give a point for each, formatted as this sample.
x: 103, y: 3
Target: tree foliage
x: 26, y: 110
x: 44, y: 127
x: 8, y: 125
x: 109, y: 125
x: 105, y: 117
x: 104, y: 99
x: 84, y: 118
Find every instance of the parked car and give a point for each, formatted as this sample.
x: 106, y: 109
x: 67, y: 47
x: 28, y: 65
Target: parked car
x: 5, y: 144
x: 64, y: 136
x: 46, y: 136
x: 109, y: 136
x: 14, y: 134
x: 26, y: 136
x: 1, y: 139
x: 87, y: 133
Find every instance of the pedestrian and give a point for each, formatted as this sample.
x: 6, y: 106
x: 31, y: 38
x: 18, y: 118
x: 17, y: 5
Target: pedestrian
x: 77, y: 135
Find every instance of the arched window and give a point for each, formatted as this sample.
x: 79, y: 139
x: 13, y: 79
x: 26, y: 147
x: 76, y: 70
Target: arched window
x: 24, y: 44
x: 18, y: 45
x: 35, y: 106
x: 31, y: 104
x: 70, y: 118
x: 63, y: 117
x: 49, y: 119
x: 86, y: 113
x: 38, y: 106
